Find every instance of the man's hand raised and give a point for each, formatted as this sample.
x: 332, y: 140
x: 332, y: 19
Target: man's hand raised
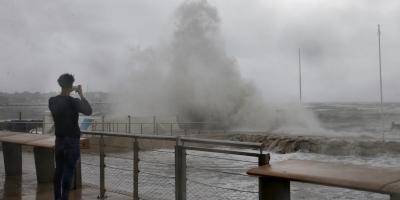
x: 79, y: 90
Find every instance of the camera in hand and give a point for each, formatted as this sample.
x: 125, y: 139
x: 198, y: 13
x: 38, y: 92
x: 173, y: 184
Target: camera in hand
x: 75, y: 88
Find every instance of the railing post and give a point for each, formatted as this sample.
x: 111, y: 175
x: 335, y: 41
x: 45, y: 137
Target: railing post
x: 263, y: 159
x: 157, y: 126
x: 103, y: 126
x: 272, y: 188
x: 102, y: 169
x: 94, y: 126
x: 180, y: 171
x: 154, y: 125
x: 171, y: 129
x: 135, y: 169
x: 129, y: 124
x: 141, y: 128
x: 44, y: 125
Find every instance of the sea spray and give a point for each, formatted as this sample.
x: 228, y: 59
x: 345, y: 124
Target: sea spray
x: 192, y: 77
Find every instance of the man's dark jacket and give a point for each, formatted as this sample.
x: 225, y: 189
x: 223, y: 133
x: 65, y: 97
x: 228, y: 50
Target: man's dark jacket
x: 65, y: 111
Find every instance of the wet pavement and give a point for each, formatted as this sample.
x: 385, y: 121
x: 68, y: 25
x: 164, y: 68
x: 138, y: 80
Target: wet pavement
x: 25, y: 188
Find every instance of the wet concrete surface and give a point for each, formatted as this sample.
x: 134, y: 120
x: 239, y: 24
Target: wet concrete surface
x: 26, y: 188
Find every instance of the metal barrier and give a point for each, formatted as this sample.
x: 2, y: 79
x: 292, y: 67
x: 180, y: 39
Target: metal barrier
x: 184, y: 169
x: 120, y: 126
x: 172, y: 175
x: 139, y: 128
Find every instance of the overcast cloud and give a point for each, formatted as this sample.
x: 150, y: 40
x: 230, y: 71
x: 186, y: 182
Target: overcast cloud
x: 93, y: 39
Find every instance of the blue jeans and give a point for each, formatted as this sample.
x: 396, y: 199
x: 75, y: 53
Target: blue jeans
x: 67, y: 153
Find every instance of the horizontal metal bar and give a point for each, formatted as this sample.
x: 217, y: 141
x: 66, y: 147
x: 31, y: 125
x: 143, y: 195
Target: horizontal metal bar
x: 222, y: 151
x: 174, y: 138
x: 111, y: 134
x: 221, y: 158
x: 224, y: 142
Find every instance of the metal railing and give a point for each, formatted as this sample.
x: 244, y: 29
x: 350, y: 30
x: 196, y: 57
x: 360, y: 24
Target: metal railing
x: 149, y: 182
x: 183, y: 169
x: 126, y: 125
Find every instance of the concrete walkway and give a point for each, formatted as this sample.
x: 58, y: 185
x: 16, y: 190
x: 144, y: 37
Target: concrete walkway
x: 25, y: 188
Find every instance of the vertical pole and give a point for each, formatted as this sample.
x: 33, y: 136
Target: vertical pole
x: 141, y: 128
x: 135, y: 169
x: 183, y: 171
x: 177, y: 171
x: 157, y: 126
x: 380, y: 63
x: 263, y: 159
x: 300, y: 81
x: 271, y: 188
x: 102, y: 123
x: 154, y: 125
x: 129, y: 124
x: 102, y: 168
x: 171, y: 129
x: 44, y: 125
x: 20, y: 115
x: 380, y: 81
x: 180, y: 171
x: 12, y: 154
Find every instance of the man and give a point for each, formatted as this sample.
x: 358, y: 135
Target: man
x: 65, y: 111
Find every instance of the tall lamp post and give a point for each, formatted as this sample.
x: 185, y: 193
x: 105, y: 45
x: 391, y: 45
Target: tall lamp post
x: 380, y: 80
x: 300, y: 81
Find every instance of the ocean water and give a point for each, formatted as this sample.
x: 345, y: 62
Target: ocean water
x: 357, y: 118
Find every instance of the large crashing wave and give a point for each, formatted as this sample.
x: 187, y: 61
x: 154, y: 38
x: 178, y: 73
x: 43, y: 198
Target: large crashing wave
x: 193, y: 77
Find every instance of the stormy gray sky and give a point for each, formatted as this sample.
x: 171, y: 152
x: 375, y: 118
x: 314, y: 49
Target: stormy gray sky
x: 93, y: 39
